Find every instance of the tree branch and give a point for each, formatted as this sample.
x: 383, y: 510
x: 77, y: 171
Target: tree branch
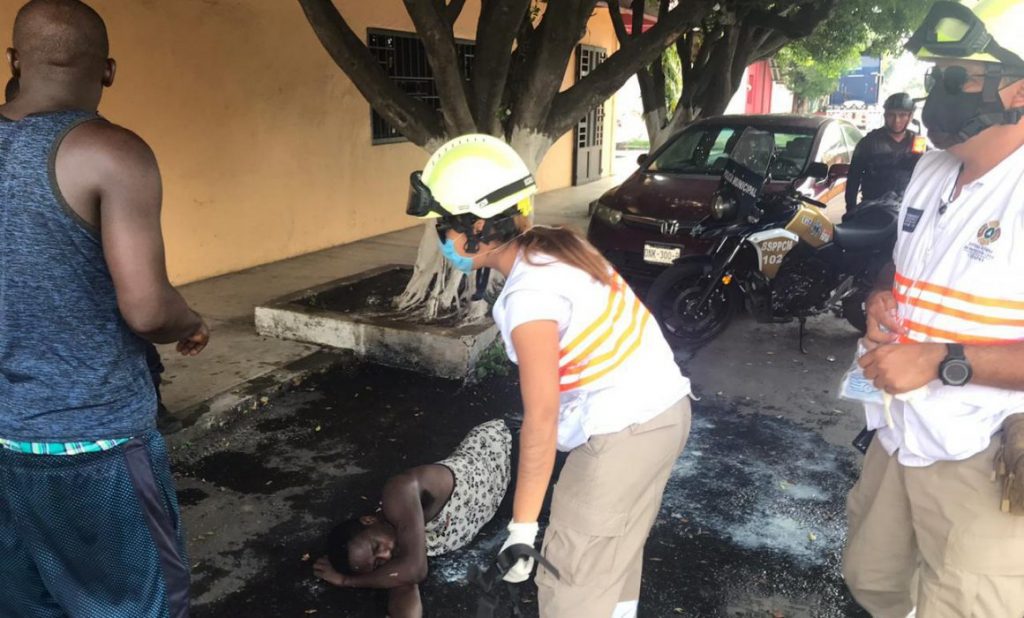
x: 561, y: 28
x: 796, y: 24
x: 618, y: 24
x: 453, y: 10
x: 606, y: 79
x: 439, y: 42
x: 413, y: 118
x: 500, y: 21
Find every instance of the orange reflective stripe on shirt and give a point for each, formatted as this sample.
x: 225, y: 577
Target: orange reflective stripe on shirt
x: 983, y: 301
x: 645, y: 315
x: 956, y: 313
x: 609, y: 328
x: 615, y: 292
x: 574, y: 365
x: 948, y: 335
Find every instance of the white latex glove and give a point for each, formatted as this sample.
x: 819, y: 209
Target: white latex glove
x: 519, y: 533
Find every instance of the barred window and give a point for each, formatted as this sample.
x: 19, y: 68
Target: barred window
x: 404, y: 58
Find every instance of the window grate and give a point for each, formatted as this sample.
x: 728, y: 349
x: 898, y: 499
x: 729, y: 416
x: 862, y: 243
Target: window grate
x: 404, y: 58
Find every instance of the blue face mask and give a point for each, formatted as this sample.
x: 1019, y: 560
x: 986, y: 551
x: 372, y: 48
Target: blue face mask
x: 459, y: 262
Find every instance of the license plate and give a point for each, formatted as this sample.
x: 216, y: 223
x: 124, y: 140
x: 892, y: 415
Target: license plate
x: 661, y: 254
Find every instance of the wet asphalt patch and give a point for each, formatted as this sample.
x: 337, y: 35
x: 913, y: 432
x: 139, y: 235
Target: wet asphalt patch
x: 752, y: 522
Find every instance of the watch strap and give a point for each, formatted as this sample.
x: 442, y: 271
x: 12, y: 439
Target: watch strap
x: 955, y: 351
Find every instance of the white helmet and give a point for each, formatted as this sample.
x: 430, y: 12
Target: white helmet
x: 474, y: 174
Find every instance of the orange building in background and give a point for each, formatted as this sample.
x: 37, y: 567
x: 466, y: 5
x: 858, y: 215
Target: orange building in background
x: 266, y: 148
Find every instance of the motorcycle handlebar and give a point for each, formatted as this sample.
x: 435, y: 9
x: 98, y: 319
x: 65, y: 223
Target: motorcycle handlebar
x: 814, y: 202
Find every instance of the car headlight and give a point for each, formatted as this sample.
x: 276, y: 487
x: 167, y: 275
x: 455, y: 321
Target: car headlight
x: 723, y: 208
x: 607, y: 215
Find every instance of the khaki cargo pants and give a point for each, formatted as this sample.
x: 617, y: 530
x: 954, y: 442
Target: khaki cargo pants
x: 933, y: 535
x: 604, y: 505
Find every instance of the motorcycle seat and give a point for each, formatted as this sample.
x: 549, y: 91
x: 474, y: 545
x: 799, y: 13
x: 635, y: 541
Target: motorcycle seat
x: 866, y: 230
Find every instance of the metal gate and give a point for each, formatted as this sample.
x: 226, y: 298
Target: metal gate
x: 590, y: 130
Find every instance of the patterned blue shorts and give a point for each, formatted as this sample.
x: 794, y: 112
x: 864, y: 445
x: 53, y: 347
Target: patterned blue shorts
x: 96, y: 535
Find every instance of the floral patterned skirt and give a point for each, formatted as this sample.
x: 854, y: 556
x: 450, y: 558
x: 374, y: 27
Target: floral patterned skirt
x: 482, y: 466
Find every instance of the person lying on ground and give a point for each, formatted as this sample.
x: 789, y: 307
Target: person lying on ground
x: 425, y: 511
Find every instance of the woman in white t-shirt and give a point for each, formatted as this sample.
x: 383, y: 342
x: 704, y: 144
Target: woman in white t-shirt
x: 597, y: 378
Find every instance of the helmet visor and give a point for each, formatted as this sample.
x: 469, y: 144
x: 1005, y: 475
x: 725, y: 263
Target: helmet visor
x: 950, y: 30
x: 421, y: 201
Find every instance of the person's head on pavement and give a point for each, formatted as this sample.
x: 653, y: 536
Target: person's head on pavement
x: 976, y: 86
x: 59, y: 55
x: 360, y: 545
x: 899, y: 109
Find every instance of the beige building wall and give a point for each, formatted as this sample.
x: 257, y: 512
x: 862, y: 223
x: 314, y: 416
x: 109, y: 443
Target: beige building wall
x: 263, y: 143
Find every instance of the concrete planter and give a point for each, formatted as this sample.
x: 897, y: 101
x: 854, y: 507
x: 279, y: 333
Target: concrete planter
x: 352, y: 314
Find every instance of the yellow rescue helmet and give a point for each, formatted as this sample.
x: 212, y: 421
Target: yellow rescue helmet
x: 473, y: 174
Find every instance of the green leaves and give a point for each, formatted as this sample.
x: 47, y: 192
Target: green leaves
x: 811, y: 67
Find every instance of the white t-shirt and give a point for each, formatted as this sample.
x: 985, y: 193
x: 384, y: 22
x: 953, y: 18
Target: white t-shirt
x: 615, y: 367
x: 959, y: 278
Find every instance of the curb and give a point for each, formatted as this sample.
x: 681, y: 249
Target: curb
x: 221, y: 410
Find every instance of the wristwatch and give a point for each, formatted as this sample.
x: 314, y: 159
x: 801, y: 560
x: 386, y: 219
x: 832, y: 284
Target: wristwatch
x: 955, y: 370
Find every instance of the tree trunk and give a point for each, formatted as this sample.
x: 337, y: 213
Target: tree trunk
x: 515, y: 92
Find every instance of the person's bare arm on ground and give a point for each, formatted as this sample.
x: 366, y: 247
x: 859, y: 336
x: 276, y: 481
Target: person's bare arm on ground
x: 403, y: 508
x: 536, y: 345
x: 122, y: 171
x: 405, y: 602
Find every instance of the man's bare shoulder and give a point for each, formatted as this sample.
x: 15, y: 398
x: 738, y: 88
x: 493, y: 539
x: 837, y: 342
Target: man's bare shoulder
x: 109, y: 149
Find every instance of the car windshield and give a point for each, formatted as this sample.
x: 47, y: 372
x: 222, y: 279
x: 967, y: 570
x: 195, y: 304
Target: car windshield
x: 705, y: 150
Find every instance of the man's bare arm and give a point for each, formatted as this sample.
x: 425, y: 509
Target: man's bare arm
x: 405, y: 602
x: 115, y: 167
x: 906, y: 367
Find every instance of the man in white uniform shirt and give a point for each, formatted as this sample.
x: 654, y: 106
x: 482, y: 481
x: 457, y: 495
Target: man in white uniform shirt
x: 925, y: 524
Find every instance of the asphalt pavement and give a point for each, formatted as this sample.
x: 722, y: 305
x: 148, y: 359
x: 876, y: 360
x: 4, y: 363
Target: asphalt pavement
x: 752, y: 522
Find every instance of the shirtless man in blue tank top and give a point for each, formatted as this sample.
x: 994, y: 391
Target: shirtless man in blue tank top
x: 89, y: 521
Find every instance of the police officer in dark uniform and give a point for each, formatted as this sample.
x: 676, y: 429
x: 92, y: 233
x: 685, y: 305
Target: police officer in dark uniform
x: 884, y: 160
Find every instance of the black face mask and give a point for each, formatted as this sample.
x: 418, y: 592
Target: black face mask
x: 946, y: 114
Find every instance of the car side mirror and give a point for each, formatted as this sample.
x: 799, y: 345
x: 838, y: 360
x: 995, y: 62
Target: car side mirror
x: 817, y: 170
x: 642, y: 158
x: 837, y: 171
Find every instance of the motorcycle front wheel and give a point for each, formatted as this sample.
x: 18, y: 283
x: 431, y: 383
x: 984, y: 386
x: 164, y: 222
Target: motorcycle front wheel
x: 674, y: 298
x: 853, y: 311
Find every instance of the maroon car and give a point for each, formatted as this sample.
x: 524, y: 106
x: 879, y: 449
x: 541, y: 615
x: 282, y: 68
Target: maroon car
x: 644, y: 224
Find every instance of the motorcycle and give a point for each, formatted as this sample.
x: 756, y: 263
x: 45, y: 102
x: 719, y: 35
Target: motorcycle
x: 777, y: 253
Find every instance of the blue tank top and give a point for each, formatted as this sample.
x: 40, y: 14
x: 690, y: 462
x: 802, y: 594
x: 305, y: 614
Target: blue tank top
x: 70, y: 368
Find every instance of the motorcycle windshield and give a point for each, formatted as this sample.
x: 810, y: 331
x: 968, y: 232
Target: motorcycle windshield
x: 746, y: 172
x: 753, y: 151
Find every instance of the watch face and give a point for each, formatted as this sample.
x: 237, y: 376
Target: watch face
x: 956, y: 372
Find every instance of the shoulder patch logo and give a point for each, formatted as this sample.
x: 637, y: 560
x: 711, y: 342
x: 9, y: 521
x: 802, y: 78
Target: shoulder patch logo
x: 989, y: 233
